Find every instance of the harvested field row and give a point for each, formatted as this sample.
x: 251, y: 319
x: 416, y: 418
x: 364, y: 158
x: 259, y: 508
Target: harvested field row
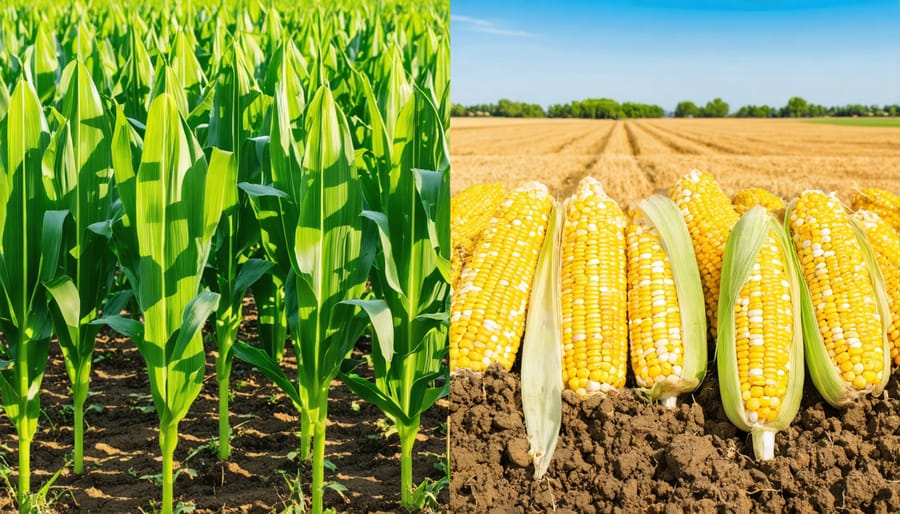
x: 635, y: 158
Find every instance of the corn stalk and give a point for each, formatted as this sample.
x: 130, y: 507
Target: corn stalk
x: 237, y: 107
x: 410, y: 281
x: 172, y: 205
x: 311, y: 218
x: 83, y: 167
x: 30, y: 248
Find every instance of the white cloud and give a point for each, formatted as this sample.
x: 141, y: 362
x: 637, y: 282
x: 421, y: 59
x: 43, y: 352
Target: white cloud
x: 489, y: 27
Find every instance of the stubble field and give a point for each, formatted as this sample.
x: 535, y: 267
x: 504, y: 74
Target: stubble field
x: 618, y: 452
x: 635, y: 158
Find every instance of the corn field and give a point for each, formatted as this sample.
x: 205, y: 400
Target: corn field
x: 164, y: 165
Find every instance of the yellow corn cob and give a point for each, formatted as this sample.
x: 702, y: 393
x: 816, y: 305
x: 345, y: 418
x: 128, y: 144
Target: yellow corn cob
x: 593, y: 291
x: 760, y: 343
x: 763, y: 321
x: 488, y: 310
x: 885, y: 244
x: 654, y: 320
x: 470, y: 211
x: 884, y: 203
x: 710, y: 217
x: 745, y: 200
x: 666, y: 309
x: 844, y: 299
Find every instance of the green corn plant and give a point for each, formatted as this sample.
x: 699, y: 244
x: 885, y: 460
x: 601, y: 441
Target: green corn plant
x: 268, y: 291
x: 30, y: 248
x: 236, y: 110
x: 172, y: 204
x: 84, y: 171
x: 311, y: 217
x: 136, y: 77
x: 187, y: 68
x: 44, y: 63
x: 410, y: 312
x: 232, y: 273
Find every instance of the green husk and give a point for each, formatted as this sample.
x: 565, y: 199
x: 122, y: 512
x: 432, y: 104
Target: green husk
x: 823, y: 372
x: 541, y: 353
x: 662, y: 213
x: 741, y: 250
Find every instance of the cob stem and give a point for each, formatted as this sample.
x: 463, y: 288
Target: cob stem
x: 407, y: 440
x: 669, y: 402
x: 763, y: 444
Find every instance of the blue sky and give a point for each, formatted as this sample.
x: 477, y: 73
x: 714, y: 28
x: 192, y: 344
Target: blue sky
x: 764, y: 52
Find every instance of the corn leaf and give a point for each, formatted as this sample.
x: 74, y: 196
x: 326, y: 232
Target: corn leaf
x: 541, y: 358
x: 45, y: 63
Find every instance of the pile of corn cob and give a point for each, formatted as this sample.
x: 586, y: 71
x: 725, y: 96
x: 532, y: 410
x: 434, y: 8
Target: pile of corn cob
x: 646, y: 288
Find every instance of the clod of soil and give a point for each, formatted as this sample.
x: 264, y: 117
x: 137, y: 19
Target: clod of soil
x: 619, y: 453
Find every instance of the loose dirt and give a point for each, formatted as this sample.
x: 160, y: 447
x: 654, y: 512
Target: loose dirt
x: 619, y: 453
x: 122, y: 450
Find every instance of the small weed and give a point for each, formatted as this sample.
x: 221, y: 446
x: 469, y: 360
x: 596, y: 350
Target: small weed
x: 69, y: 410
x: 156, y: 478
x: 386, y: 427
x: 142, y: 398
x: 102, y: 356
x: 425, y: 497
x: 179, y: 508
x: 39, y: 501
x: 295, y: 503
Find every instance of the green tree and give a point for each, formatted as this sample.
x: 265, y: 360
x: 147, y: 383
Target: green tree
x: 716, y: 108
x: 687, y: 109
x: 457, y: 110
x: 796, y: 108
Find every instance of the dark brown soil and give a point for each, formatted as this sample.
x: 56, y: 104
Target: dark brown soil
x: 618, y: 453
x: 121, y: 444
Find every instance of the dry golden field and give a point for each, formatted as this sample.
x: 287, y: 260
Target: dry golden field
x: 638, y: 157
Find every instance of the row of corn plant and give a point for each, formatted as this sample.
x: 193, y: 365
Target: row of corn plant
x: 409, y: 207
x: 125, y: 136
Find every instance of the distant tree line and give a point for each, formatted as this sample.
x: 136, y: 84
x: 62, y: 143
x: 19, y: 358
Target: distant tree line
x: 594, y: 108
x: 716, y: 108
x: 504, y: 108
x: 606, y: 108
x: 796, y: 107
